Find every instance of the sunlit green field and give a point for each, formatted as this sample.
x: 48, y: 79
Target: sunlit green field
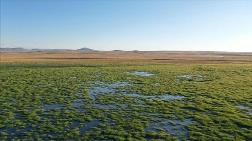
x: 110, y: 101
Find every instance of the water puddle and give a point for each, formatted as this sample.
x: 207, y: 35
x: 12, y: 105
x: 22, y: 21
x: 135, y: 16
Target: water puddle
x: 162, y: 97
x: 16, y: 132
x: 141, y: 73
x: 74, y: 124
x: 106, y: 106
x: 248, y: 110
x: 102, y: 88
x: 79, y: 94
x: 77, y: 104
x: 48, y: 107
x: 190, y: 77
x: 170, y: 97
x: 173, y: 127
x: 152, y: 114
x: 110, y: 106
x: 84, y: 127
x: 89, y: 125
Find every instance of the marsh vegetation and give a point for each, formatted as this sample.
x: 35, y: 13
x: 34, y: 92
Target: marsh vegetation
x: 107, y: 101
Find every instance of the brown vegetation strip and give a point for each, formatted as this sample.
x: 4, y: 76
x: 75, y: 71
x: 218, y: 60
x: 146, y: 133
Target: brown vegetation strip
x: 71, y: 58
x: 237, y: 60
x: 162, y: 57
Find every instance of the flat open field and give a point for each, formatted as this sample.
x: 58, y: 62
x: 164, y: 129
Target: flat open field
x: 126, y: 96
x: 157, y: 57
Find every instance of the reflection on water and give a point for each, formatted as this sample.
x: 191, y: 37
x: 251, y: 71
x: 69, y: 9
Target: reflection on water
x: 162, y: 97
x: 88, y: 126
x: 56, y: 106
x: 102, y: 88
x: 245, y: 108
x: 141, y: 73
x: 190, y: 77
x: 173, y: 127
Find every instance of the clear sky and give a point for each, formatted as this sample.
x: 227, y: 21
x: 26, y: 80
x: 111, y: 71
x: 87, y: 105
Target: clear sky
x: 220, y: 25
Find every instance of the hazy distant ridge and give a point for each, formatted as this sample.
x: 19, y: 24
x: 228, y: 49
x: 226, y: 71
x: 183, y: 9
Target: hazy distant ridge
x: 19, y: 49
x: 16, y: 49
x: 85, y: 49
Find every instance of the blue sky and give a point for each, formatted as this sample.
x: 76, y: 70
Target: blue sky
x: 220, y: 25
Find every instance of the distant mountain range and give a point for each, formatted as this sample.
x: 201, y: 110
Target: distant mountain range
x: 20, y: 49
x: 17, y: 49
x: 85, y: 49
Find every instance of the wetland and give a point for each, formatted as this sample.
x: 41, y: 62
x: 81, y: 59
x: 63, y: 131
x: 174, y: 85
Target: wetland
x: 107, y: 101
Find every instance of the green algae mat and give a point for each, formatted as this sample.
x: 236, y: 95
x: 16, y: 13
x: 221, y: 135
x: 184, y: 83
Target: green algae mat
x: 107, y: 101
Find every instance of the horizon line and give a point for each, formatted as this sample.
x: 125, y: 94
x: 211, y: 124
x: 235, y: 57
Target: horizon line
x: 91, y: 49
